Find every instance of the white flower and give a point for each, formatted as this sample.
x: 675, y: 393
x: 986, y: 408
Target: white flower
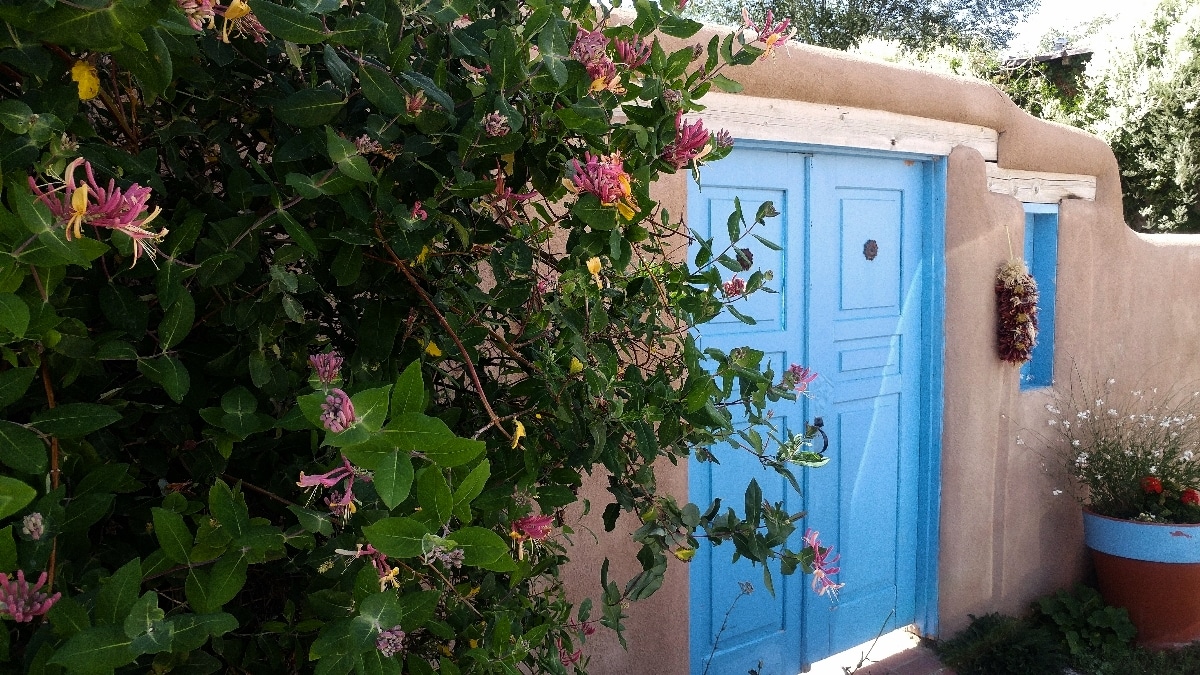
x: 1051, y: 422
x: 1099, y: 402
x: 1113, y: 412
x: 1056, y: 492
x: 1154, y: 469
x: 1112, y: 380
x: 1020, y: 441
x: 1081, y: 460
x: 1075, y: 443
x: 1187, y: 455
x: 1083, y: 414
x: 1066, y: 424
x: 1052, y: 408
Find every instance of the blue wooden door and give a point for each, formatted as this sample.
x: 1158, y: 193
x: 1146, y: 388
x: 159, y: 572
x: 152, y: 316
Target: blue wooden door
x: 851, y: 306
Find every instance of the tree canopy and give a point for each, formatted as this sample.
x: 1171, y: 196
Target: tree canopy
x: 916, y: 24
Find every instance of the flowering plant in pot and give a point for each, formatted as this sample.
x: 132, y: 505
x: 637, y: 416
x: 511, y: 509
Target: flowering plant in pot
x: 1135, y: 458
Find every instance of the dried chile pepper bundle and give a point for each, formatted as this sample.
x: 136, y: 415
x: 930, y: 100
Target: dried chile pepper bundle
x: 1016, y: 312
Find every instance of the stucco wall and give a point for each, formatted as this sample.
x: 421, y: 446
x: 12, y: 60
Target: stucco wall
x: 1124, y: 310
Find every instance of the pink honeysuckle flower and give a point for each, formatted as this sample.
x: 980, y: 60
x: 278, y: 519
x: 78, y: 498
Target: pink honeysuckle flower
x: 390, y: 642
x: 330, y: 478
x: 418, y: 213
x: 199, y: 13
x: 503, y: 201
x: 33, y: 526
x: 327, y: 366
x: 603, y: 176
x: 770, y: 33
x: 23, y: 602
x: 496, y: 124
x: 589, y: 46
x: 566, y: 658
x: 337, y: 412
x: 801, y: 375
x: 735, y: 287
x: 414, y: 103
x: 823, y: 566
x: 340, y: 503
x: 75, y: 204
x: 633, y: 53
x: 531, y: 527
x: 692, y: 142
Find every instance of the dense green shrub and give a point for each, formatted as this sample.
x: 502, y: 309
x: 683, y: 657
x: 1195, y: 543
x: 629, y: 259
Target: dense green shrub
x: 314, y: 317
x: 994, y: 644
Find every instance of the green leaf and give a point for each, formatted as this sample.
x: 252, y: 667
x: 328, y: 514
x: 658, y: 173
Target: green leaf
x: 380, y: 611
x: 408, y: 396
x: 8, y: 550
x: 297, y: 232
x: 433, y: 494
x: 168, y: 372
x: 393, y: 478
x: 748, y: 320
x: 193, y: 630
x: 309, y: 107
x: 380, y: 89
x: 14, y: 314
x: 228, y: 509
x: 316, y: 522
x: 21, y: 449
x: 173, y: 534
x: 95, y: 651
x: 288, y: 24
x: 14, y: 496
x: 14, y: 383
x: 371, y: 407
x: 357, y: 168
x: 75, y: 420
x: 430, y: 436
x: 470, y: 488
x: 15, y: 116
x: 68, y: 617
x: 396, y: 537
x: 86, y: 510
x: 177, y: 321
x: 152, y: 67
x: 105, y: 29
x: 725, y: 84
x: 143, y: 616
x: 118, y: 593
x: 431, y: 90
x: 124, y: 310
x: 483, y: 548
x: 208, y: 592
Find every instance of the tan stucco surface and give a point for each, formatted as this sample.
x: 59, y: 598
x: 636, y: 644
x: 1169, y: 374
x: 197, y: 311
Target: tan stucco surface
x: 1125, y: 310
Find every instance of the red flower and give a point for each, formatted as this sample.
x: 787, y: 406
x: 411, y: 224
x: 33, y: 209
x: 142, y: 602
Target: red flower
x: 1151, y: 485
x: 531, y: 527
x: 1190, y: 496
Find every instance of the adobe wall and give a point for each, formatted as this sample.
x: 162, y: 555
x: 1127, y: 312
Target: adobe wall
x: 1125, y: 309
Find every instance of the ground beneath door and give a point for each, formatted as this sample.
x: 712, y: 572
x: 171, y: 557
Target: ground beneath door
x: 916, y: 661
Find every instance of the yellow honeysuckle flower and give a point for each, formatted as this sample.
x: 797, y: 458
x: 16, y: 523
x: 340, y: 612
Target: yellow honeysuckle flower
x: 423, y: 255
x: 518, y: 434
x: 79, y: 205
x: 433, y: 350
x: 85, y: 75
x: 594, y: 266
x: 576, y: 366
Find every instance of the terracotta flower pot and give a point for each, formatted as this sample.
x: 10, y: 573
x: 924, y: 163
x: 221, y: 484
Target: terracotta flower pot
x: 1153, y: 571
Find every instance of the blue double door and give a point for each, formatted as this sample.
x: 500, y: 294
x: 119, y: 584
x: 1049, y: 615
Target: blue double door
x: 852, y: 276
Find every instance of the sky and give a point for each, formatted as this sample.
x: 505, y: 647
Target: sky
x: 1068, y: 13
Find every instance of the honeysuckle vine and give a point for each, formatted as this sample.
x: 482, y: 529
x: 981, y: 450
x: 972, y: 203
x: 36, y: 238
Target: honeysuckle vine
x: 315, y: 318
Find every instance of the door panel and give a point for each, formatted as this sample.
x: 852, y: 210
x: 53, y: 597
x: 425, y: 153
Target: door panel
x: 760, y: 628
x: 865, y: 299
x: 850, y: 306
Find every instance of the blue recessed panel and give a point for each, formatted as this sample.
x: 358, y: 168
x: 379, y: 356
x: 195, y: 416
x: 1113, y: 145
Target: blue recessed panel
x: 1041, y: 255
